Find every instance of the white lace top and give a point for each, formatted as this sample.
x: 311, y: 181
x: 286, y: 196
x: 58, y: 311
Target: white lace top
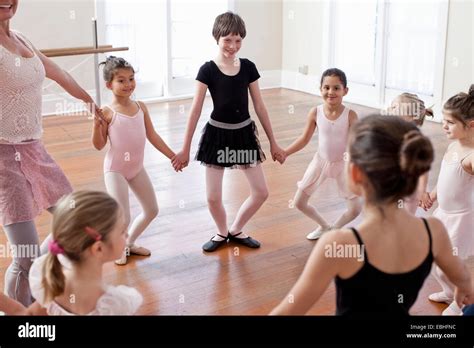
x: 117, y: 300
x: 20, y: 95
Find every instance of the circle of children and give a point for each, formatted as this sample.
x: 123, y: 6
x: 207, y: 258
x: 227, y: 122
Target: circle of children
x: 380, y: 164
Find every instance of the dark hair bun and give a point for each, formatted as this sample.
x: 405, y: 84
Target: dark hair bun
x: 471, y: 91
x: 416, y: 154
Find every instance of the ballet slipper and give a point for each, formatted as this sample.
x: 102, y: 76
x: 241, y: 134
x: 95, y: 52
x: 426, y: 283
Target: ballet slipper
x: 440, y: 297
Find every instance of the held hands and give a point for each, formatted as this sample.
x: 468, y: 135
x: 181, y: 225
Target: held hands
x: 278, y: 154
x: 180, y: 160
x: 99, y: 118
x: 426, y: 201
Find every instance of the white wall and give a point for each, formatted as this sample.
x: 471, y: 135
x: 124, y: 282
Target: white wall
x: 263, y: 43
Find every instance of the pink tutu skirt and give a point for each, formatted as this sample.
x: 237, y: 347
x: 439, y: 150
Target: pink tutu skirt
x: 30, y: 182
x: 459, y: 225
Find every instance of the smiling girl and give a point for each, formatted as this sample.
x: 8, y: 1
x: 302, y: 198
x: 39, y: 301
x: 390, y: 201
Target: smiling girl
x: 333, y: 120
x: 128, y: 125
x: 230, y: 130
x: 455, y: 188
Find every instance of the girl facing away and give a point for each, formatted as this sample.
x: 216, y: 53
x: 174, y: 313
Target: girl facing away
x: 229, y: 139
x: 333, y: 119
x: 127, y: 126
x: 412, y: 109
x: 386, y: 259
x: 89, y: 231
x: 454, y: 190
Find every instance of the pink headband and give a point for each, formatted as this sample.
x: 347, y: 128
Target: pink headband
x: 55, y: 248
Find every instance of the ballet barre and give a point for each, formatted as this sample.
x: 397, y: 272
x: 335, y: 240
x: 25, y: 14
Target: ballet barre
x: 76, y: 51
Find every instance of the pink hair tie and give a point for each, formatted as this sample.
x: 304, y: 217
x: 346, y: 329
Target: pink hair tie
x: 93, y: 233
x: 55, y: 248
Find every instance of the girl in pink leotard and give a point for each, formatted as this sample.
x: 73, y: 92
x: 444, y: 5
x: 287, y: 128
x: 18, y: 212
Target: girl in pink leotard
x: 333, y: 120
x: 455, y: 188
x: 128, y: 125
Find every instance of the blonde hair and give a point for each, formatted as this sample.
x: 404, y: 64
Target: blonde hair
x: 80, y: 219
x: 409, y: 104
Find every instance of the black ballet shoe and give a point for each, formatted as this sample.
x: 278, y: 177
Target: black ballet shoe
x: 213, y: 245
x: 248, y: 242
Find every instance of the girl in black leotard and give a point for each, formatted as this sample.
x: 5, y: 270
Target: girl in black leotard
x: 229, y: 139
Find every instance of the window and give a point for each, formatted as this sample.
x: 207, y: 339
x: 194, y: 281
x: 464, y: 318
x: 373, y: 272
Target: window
x: 168, y: 40
x: 191, y: 39
x: 139, y: 26
x: 354, y: 39
x: 387, y: 47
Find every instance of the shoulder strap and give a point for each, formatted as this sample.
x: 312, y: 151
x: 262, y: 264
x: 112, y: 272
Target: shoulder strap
x: 469, y: 154
x: 357, y: 235
x: 429, y: 233
x: 361, y: 243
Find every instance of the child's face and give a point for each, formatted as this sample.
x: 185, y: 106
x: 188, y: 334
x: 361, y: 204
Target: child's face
x: 229, y: 45
x: 453, y: 128
x: 332, y: 90
x: 123, y: 84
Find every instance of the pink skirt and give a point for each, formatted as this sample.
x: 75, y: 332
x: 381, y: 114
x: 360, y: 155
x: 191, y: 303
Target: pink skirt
x: 30, y: 182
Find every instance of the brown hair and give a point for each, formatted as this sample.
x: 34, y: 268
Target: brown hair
x: 74, y: 217
x: 334, y: 72
x: 461, y: 106
x: 409, y: 104
x: 228, y: 23
x: 112, y: 64
x: 392, y: 153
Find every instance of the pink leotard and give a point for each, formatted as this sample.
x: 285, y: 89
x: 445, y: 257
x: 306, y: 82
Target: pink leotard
x: 456, y: 205
x: 332, y: 135
x: 328, y: 162
x: 127, y: 135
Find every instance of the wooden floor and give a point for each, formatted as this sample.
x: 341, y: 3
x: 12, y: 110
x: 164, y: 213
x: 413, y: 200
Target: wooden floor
x: 179, y: 278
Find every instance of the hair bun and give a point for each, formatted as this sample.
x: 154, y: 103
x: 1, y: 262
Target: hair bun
x: 471, y: 91
x: 416, y: 154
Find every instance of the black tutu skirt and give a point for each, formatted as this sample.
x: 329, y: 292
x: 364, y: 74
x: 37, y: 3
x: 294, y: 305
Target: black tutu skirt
x: 230, y: 148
